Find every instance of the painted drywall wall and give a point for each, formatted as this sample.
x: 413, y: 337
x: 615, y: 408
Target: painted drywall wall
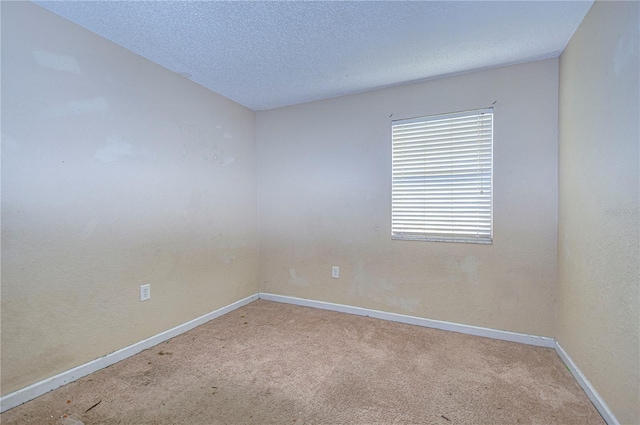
x: 115, y: 173
x: 599, y: 215
x: 324, y: 199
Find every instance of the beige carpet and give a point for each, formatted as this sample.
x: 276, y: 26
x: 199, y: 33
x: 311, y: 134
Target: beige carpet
x: 270, y: 363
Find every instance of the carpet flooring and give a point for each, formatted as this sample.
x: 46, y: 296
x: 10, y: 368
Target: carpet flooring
x: 271, y: 363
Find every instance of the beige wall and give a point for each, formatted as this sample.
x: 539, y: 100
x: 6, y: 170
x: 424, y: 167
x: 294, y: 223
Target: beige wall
x: 115, y: 173
x: 599, y: 215
x: 324, y: 198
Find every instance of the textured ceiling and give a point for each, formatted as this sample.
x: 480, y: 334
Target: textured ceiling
x: 268, y: 54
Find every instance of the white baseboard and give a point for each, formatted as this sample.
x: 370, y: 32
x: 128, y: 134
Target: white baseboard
x: 39, y: 388
x: 540, y: 341
x: 591, y: 392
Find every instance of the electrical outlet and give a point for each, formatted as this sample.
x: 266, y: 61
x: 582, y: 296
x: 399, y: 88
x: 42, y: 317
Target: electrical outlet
x: 335, y: 272
x: 145, y: 292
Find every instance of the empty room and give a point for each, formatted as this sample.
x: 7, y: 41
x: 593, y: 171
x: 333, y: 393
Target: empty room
x: 320, y: 212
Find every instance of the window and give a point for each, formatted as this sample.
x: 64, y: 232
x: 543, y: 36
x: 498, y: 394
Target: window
x: 442, y: 177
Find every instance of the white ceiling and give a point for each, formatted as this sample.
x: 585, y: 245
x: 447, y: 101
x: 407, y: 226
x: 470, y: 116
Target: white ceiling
x: 267, y: 54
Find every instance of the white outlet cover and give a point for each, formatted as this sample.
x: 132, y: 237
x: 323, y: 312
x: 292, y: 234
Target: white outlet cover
x: 335, y: 272
x: 145, y: 292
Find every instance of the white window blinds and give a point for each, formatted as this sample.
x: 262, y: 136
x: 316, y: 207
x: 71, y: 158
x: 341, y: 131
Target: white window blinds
x: 442, y: 177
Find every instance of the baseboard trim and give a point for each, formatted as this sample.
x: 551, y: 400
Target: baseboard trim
x: 23, y: 395
x: 591, y: 392
x: 540, y: 341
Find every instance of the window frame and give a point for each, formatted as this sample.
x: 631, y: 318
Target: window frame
x: 443, y: 236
